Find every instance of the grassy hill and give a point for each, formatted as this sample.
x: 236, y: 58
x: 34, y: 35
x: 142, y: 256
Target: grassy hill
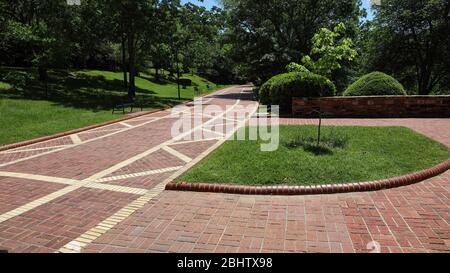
x: 76, y: 98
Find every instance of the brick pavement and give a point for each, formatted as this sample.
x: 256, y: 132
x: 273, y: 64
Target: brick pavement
x: 102, y: 191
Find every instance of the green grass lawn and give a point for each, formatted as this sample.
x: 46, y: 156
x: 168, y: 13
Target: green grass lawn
x: 27, y: 119
x: 76, y: 99
x: 350, y: 154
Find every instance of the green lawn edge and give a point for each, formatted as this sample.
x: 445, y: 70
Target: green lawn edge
x: 234, y: 163
x: 77, y: 98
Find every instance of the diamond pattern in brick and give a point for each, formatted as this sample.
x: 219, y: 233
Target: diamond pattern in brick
x: 408, y: 219
x: 16, y: 192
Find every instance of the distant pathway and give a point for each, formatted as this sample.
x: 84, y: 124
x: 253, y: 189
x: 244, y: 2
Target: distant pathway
x: 103, y: 191
x: 62, y: 194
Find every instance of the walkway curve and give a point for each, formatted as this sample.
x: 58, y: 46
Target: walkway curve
x: 103, y: 191
x: 106, y: 172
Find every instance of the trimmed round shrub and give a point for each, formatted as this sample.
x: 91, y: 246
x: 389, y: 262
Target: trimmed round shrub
x: 264, y: 90
x: 375, y: 84
x: 280, y: 89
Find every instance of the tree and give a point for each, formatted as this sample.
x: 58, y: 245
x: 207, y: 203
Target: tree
x: 40, y: 30
x: 135, y: 21
x: 295, y: 67
x: 332, y: 48
x: 411, y: 40
x: 160, y: 47
x: 93, y: 33
x: 268, y: 35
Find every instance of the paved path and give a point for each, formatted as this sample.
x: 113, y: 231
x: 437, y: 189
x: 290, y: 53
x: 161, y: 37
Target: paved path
x: 102, y: 191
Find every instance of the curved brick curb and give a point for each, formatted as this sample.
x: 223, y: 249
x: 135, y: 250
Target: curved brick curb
x: 314, y: 190
x: 74, y: 131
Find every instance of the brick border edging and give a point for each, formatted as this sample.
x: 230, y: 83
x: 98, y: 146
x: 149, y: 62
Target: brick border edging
x: 74, y: 131
x: 90, y: 127
x: 395, y: 182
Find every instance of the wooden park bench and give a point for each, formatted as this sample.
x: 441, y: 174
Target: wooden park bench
x: 124, y: 102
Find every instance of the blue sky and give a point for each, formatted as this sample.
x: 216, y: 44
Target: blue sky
x: 206, y: 3
x: 366, y: 5
x: 210, y: 3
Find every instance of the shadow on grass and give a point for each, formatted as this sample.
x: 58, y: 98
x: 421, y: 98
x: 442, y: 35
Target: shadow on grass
x: 73, y: 90
x: 326, y: 146
x: 160, y: 81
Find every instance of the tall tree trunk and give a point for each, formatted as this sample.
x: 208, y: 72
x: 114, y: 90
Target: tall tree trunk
x: 156, y: 73
x: 132, y: 64
x: 424, y: 82
x: 124, y: 62
x: 43, y: 77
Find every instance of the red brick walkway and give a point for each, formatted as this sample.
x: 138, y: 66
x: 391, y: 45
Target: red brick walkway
x: 102, y: 191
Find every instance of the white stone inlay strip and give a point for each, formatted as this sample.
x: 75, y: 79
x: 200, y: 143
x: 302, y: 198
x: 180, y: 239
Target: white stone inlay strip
x: 116, y: 188
x: 193, y: 141
x: 75, y: 145
x: 214, y: 132
x: 175, y: 153
x: 44, y: 178
x: 76, y: 139
x: 87, y: 184
x: 126, y: 124
x: 99, y: 131
x: 154, y: 149
x: 88, y: 237
x: 147, y: 173
x: 39, y: 202
x: 33, y: 149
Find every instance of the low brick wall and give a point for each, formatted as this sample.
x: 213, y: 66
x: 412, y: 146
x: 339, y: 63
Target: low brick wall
x: 380, y: 106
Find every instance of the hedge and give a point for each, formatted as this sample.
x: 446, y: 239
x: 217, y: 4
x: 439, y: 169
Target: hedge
x: 280, y: 89
x: 375, y: 84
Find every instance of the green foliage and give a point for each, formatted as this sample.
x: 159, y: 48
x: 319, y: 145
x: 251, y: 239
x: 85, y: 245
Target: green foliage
x: 44, y: 35
x: 265, y: 90
x: 331, y: 48
x: 375, y: 84
x: 410, y: 40
x: 295, y: 67
x: 268, y: 35
x: 280, y: 89
x: 4, y: 86
x: 110, y: 35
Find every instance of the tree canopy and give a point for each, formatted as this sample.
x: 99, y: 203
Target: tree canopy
x: 410, y: 40
x: 268, y: 35
x: 243, y: 40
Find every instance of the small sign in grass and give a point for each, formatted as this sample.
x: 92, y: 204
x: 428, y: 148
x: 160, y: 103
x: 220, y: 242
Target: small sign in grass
x: 345, y: 155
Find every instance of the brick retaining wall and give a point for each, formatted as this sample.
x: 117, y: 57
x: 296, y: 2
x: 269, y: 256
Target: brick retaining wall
x: 380, y: 106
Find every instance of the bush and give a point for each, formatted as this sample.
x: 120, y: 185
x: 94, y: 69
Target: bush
x: 375, y: 84
x: 263, y: 92
x: 295, y: 67
x: 280, y: 89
